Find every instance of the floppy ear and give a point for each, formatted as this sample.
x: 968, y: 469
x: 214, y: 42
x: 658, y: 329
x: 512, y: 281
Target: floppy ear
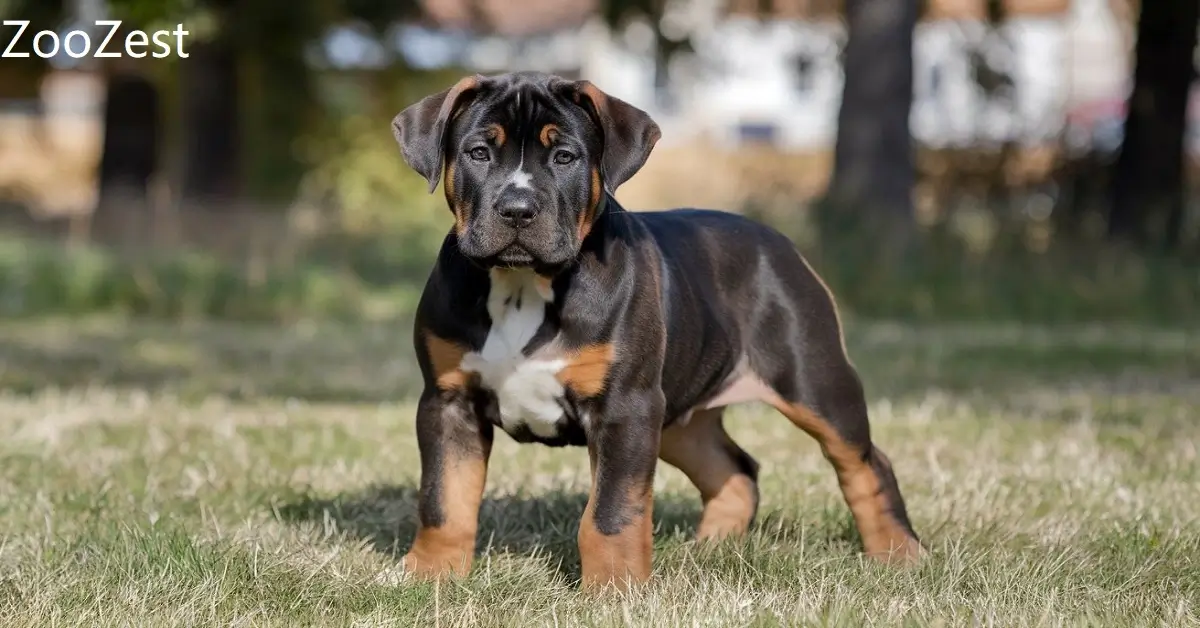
x: 629, y: 133
x: 420, y: 129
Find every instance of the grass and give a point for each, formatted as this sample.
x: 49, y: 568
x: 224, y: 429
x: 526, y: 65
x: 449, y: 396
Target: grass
x: 376, y: 274
x: 219, y: 474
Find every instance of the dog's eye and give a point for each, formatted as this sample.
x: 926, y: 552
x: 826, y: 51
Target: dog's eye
x: 479, y: 153
x: 563, y: 157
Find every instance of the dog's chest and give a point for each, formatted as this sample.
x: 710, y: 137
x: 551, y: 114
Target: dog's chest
x: 527, y: 388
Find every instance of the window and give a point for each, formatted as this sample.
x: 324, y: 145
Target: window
x: 804, y: 70
x: 756, y: 133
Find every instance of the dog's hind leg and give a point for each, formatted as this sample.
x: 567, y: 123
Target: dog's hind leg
x: 837, y: 419
x: 819, y: 390
x: 726, y: 476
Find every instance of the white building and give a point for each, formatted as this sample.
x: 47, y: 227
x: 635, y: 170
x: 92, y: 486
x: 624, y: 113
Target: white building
x: 779, y: 79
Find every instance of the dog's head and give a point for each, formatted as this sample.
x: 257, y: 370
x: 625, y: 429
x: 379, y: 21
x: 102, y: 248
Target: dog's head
x: 526, y: 158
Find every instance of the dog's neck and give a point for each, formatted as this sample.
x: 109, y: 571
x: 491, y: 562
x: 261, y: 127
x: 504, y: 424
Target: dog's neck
x: 609, y: 204
x: 607, y: 207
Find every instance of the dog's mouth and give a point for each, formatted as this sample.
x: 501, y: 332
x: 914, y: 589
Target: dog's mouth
x: 518, y: 252
x: 514, y: 256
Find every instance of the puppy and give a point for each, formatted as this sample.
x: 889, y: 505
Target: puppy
x: 557, y: 316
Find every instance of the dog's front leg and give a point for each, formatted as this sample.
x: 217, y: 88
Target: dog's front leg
x: 454, y: 445
x: 616, y: 533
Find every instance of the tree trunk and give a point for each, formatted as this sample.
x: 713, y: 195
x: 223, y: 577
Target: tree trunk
x: 873, y: 161
x: 129, y: 156
x: 211, y: 161
x: 1148, y: 179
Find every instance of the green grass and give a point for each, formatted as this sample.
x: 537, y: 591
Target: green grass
x: 219, y: 474
x: 378, y: 276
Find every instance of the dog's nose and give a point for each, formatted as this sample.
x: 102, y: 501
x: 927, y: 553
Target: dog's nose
x: 517, y: 212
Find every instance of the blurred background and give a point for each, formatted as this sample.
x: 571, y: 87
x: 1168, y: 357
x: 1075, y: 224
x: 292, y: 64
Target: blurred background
x: 1028, y: 160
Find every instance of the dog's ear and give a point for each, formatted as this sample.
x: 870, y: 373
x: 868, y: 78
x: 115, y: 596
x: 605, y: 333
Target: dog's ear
x: 629, y: 133
x: 421, y: 128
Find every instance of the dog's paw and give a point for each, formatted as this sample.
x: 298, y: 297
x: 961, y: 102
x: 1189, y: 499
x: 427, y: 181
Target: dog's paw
x: 422, y: 566
x: 902, y: 552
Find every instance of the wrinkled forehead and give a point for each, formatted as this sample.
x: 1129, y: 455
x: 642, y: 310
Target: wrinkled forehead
x: 523, y: 107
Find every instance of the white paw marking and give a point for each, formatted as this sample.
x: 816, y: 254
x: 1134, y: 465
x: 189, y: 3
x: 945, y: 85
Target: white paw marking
x: 526, y: 388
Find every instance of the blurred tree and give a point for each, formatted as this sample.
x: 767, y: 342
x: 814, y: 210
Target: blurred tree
x: 1148, y: 177
x: 130, y: 113
x: 209, y: 107
x: 873, y: 172
x: 19, y: 76
x: 246, y: 87
x: 874, y: 168
x: 129, y: 157
x: 619, y: 12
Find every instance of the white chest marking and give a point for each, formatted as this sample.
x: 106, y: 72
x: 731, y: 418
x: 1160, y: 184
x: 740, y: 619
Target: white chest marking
x: 526, y: 388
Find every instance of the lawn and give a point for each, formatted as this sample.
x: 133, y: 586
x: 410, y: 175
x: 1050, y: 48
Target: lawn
x: 217, y: 474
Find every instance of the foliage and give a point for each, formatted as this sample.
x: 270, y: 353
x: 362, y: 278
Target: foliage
x: 377, y: 264
x: 36, y: 11
x: 380, y: 227
x: 938, y: 278
x: 41, y: 279
x: 381, y: 223
x: 359, y: 170
x: 276, y: 52
x: 19, y: 76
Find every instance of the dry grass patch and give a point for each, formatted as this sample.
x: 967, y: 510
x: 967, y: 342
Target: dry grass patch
x: 1053, y: 472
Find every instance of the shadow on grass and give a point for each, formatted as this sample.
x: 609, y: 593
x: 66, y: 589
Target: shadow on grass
x: 545, y: 525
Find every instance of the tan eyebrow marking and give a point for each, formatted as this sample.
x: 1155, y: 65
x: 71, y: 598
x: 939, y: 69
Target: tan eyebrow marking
x: 496, y: 133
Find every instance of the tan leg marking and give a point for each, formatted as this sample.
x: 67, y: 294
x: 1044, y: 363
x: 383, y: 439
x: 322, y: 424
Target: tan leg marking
x: 705, y: 454
x: 620, y: 560
x: 883, y: 537
x: 450, y: 547
x: 587, y: 369
x: 445, y: 357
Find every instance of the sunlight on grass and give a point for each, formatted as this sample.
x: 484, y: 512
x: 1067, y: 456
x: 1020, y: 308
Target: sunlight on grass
x: 220, y: 475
